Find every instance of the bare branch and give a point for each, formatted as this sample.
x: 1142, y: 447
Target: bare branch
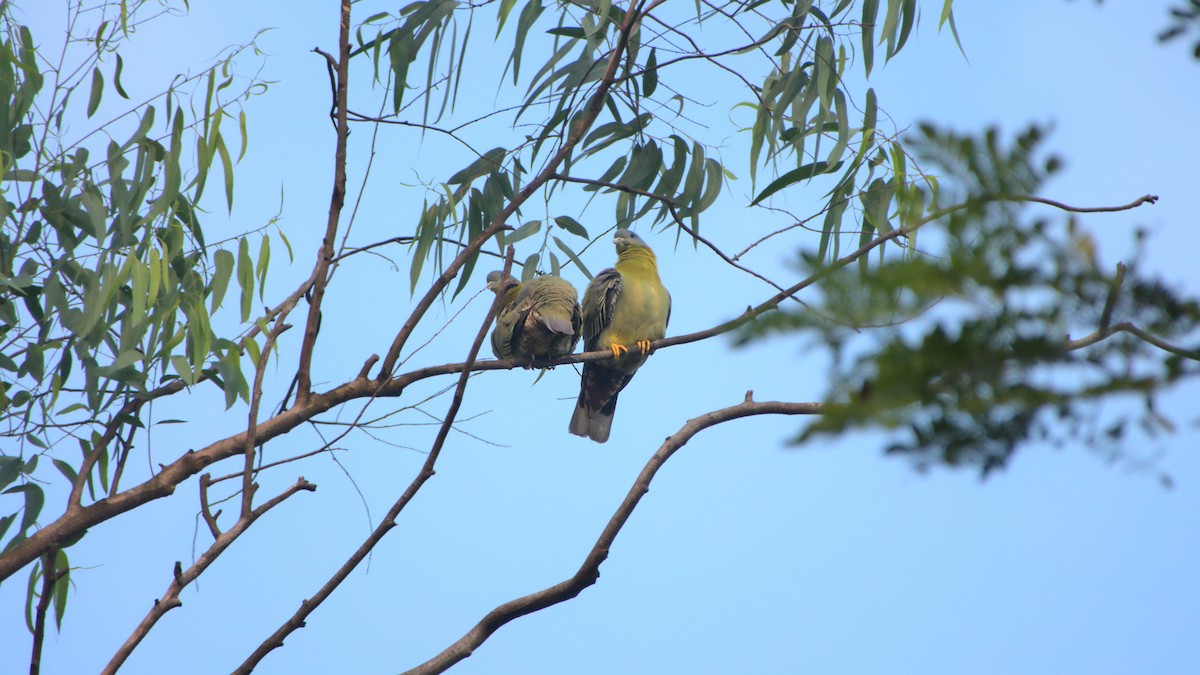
x: 181, y: 578
x: 1141, y: 334
x: 50, y: 576
x: 1089, y: 209
x: 336, y: 202
x: 1111, y: 300
x: 248, y: 486
x: 589, y: 571
x: 210, y: 518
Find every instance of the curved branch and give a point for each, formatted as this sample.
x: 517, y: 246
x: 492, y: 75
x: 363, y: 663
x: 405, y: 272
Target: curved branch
x: 1139, y: 333
x: 170, y: 600
x: 1144, y: 199
x: 589, y: 571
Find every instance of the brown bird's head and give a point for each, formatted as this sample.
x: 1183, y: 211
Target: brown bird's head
x: 498, y: 282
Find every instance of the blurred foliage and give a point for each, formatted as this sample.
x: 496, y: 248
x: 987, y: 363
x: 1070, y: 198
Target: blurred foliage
x: 969, y: 355
x: 1184, y: 19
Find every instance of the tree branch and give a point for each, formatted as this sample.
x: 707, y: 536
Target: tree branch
x: 248, y: 485
x: 181, y: 578
x: 589, y: 571
x: 1126, y: 327
x: 336, y: 201
x: 50, y: 576
x: 1088, y: 209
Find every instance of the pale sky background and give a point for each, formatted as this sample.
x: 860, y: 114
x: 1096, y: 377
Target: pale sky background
x: 747, y: 556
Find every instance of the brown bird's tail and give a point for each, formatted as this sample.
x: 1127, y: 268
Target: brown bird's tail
x: 597, y: 401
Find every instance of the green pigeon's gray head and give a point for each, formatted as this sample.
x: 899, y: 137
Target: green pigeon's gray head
x: 498, y: 282
x: 626, y: 239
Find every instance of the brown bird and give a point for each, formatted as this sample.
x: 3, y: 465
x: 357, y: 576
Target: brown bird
x: 538, y: 319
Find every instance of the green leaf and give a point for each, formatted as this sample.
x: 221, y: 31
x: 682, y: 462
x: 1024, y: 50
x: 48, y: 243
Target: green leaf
x: 795, y: 176
x: 526, y: 230
x: 908, y: 15
x: 529, y: 267
x: 650, y: 76
x: 184, y: 370
x: 502, y: 16
x: 227, y: 170
x: 869, y: 13
x: 529, y: 15
x: 10, y: 468
x: 117, y: 78
x: 571, y: 225
x: 574, y: 258
x: 487, y: 163
x: 61, y: 584
x: 245, y: 274
x: 34, y: 499
x: 97, y: 91
x: 264, y: 262
x: 695, y: 178
x: 220, y: 281
x: 712, y: 186
x: 66, y: 470
x: 569, y: 31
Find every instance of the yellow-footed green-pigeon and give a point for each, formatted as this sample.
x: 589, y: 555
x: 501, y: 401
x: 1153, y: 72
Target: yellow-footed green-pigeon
x: 623, y: 305
x: 537, y: 319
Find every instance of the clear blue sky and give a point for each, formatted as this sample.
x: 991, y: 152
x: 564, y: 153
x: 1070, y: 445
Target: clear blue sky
x: 746, y: 556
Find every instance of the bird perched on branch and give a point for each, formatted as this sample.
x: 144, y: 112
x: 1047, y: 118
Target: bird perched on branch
x: 538, y: 319
x: 625, y: 305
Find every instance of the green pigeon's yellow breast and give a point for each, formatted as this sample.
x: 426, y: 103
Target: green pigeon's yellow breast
x: 641, y: 311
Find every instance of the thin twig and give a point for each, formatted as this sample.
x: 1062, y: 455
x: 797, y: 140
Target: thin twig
x: 1126, y: 327
x: 206, y: 513
x: 1088, y: 209
x: 1111, y: 300
x: 181, y: 578
x: 336, y: 201
x: 50, y: 576
x: 260, y: 368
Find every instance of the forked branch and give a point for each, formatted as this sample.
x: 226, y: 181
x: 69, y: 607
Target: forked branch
x: 181, y: 578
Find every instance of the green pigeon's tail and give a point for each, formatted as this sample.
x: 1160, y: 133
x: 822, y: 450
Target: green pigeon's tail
x: 597, y: 401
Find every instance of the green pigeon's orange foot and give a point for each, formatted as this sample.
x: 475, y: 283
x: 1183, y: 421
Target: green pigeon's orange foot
x: 618, y: 350
x: 643, y: 345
